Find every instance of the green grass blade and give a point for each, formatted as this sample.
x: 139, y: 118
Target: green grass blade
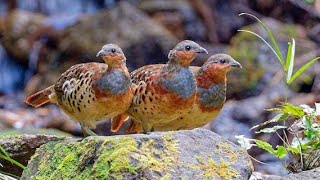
x: 290, y: 59
x: 4, y: 151
x: 12, y: 161
x: 302, y: 69
x: 271, y: 37
x: 289, y: 54
x: 260, y: 37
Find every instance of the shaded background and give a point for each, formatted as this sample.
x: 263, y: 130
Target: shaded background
x: 41, y: 39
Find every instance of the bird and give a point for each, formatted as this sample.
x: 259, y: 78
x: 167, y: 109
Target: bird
x: 90, y: 92
x: 163, y: 92
x: 210, y: 97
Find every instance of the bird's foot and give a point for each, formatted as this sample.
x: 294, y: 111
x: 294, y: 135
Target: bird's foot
x: 87, y: 131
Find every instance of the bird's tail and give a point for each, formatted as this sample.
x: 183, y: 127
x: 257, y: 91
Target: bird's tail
x: 40, y: 98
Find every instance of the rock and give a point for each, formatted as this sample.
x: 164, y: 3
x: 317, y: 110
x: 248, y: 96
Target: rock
x: 21, y: 148
x: 252, y: 110
x: 299, y: 12
x: 18, y: 30
x: 226, y: 19
x: 314, y: 33
x: 272, y: 164
x: 196, y: 154
x: 143, y: 40
x: 261, y: 176
x: 306, y: 175
x: 178, y: 16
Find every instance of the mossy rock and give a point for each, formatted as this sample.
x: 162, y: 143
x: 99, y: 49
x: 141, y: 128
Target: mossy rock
x: 196, y: 154
x: 21, y: 148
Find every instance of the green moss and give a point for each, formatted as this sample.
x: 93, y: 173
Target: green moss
x: 114, y: 158
x: 62, y: 164
x: 159, y: 159
x: 105, y: 158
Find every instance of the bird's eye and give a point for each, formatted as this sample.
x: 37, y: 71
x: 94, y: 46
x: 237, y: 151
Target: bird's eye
x: 188, y: 48
x: 222, y: 61
x: 113, y: 50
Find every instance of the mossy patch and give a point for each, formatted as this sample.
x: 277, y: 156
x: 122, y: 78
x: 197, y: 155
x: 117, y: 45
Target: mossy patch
x: 113, y: 158
x: 105, y: 158
x: 158, y: 157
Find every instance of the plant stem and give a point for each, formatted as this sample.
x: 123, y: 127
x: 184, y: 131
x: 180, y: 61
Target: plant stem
x: 12, y: 161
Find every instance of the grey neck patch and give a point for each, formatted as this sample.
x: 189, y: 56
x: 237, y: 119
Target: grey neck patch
x: 114, y: 81
x: 181, y: 82
x: 214, y: 96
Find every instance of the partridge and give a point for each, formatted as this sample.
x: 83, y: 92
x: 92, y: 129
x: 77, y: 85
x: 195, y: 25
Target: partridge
x: 163, y: 92
x: 90, y: 92
x: 211, y: 95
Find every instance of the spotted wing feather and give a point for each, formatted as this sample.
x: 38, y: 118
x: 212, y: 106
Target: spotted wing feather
x: 74, y: 88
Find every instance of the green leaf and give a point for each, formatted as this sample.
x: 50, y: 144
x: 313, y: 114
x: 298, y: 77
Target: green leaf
x: 289, y: 53
x: 307, y: 121
x: 272, y: 39
x: 244, y: 142
x: 290, y: 59
x: 294, y: 150
x: 265, y: 146
x: 281, y: 152
x: 271, y: 130
x: 293, y: 110
x: 310, y: 133
x: 317, y: 146
x: 279, y: 117
x: 302, y: 69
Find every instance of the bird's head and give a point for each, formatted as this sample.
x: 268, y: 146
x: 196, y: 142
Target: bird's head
x: 222, y: 62
x: 185, y: 52
x: 112, y: 55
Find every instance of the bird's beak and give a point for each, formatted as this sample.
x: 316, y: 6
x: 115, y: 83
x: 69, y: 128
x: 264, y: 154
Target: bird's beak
x: 201, y: 50
x: 235, y: 64
x: 100, y: 53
